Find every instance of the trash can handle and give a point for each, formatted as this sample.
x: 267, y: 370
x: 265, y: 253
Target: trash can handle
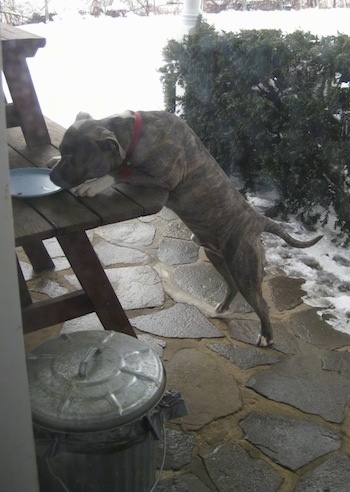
x: 88, y: 359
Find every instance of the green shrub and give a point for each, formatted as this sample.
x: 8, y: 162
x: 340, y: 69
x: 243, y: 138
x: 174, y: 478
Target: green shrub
x: 270, y: 104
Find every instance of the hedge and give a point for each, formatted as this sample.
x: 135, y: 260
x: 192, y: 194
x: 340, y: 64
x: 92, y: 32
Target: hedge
x: 270, y: 104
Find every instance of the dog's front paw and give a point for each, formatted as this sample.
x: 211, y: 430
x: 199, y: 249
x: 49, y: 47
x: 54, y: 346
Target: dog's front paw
x: 94, y: 186
x: 85, y: 190
x: 264, y: 341
x: 223, y: 305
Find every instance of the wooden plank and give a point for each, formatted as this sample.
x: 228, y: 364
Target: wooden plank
x: 57, y: 310
x: 16, y: 140
x: 94, y: 281
x: 56, y: 132
x: 112, y: 206
x: 151, y: 200
x: 28, y: 224
x: 15, y: 39
x: 36, y: 157
x: 16, y: 160
x: 65, y: 212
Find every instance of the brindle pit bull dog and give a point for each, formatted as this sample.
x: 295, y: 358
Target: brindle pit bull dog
x: 169, y: 155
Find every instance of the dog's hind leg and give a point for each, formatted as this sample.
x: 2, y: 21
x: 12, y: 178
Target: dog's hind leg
x: 249, y: 271
x: 220, y: 264
x: 260, y: 306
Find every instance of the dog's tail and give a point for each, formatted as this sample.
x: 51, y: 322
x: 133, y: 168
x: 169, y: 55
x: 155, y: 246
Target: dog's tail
x: 278, y: 230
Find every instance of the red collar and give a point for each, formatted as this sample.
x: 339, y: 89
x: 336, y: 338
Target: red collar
x: 124, y: 169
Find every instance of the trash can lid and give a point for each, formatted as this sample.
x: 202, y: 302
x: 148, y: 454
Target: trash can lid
x: 92, y: 381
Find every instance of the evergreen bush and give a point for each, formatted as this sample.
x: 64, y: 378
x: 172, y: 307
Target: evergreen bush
x: 272, y: 104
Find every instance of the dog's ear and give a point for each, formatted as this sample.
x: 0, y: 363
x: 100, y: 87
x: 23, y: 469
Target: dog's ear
x: 107, y: 143
x: 106, y: 140
x: 83, y: 116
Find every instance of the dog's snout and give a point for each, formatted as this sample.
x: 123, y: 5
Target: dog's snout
x: 57, y: 177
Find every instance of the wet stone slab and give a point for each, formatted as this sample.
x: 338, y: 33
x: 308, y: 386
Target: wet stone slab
x: 179, y: 321
x: 241, y: 357
x: 232, y: 469
x: 148, y: 218
x: 247, y: 331
x: 291, y: 443
x: 332, y: 476
x: 90, y: 322
x: 184, y: 483
x: 136, y: 287
x: 177, y: 251
x: 155, y: 344
x: 338, y: 362
x: 199, y: 378
x: 286, y: 292
x: 55, y: 251
x: 309, y: 395
x: 177, y: 230
x: 110, y: 254
x: 128, y: 232
x: 204, y: 282
x: 48, y: 287
x: 308, y: 326
x: 201, y: 281
x: 28, y: 271
x: 168, y: 214
x: 179, y: 450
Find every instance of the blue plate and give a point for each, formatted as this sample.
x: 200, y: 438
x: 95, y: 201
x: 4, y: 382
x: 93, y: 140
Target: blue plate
x: 32, y: 182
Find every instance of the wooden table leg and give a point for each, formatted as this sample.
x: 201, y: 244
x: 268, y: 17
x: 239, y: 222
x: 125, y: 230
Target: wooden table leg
x: 94, y: 281
x: 25, y: 100
x: 38, y: 256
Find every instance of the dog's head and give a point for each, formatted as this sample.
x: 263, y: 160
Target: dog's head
x: 88, y: 150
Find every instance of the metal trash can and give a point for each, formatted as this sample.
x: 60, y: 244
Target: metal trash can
x: 92, y: 394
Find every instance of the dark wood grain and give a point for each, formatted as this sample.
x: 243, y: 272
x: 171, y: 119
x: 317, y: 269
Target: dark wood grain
x: 28, y: 224
x: 57, y: 310
x: 94, y: 281
x: 25, y: 111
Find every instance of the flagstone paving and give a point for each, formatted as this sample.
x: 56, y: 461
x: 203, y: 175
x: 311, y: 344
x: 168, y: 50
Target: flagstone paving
x: 261, y: 419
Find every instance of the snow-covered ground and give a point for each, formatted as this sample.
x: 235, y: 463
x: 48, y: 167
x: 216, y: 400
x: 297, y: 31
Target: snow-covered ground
x: 105, y: 66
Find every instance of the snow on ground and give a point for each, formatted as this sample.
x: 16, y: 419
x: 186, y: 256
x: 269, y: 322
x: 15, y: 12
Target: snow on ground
x: 105, y: 66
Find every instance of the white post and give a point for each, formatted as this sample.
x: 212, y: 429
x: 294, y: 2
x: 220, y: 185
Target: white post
x: 18, y: 472
x: 190, y: 13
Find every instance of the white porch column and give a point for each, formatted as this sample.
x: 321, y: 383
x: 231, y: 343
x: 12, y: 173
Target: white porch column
x: 18, y: 472
x: 190, y: 12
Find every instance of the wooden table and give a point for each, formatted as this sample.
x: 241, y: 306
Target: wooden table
x: 24, y: 111
x: 67, y: 217
x: 32, y: 141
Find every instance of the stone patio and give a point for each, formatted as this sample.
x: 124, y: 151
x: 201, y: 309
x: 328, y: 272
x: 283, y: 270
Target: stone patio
x: 262, y: 419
